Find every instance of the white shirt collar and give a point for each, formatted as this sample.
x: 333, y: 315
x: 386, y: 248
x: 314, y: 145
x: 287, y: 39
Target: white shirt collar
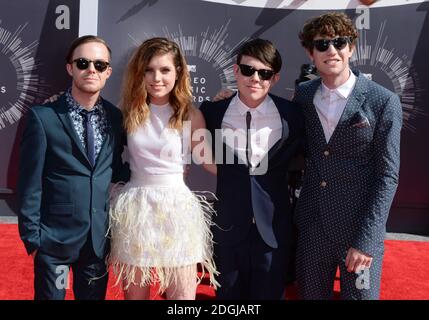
x: 343, y: 91
x: 242, y: 108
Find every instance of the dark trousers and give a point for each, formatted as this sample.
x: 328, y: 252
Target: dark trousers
x: 317, y: 259
x: 89, y: 275
x: 251, y: 270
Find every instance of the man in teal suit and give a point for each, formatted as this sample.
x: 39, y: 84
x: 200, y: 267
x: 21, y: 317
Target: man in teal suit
x: 353, y: 136
x: 70, y: 153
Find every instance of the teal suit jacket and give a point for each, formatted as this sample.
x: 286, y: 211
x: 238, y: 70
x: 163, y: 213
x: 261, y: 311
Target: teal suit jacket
x: 62, y: 198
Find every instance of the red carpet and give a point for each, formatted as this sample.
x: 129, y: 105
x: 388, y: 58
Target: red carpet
x: 405, y: 272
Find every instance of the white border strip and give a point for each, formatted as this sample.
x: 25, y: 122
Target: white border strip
x: 88, y: 17
x: 314, y: 4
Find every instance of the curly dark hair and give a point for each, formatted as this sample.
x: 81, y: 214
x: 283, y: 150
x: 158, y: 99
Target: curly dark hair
x: 327, y: 25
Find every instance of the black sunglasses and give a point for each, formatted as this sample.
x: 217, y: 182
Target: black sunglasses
x: 99, y: 65
x: 339, y: 43
x: 249, y: 71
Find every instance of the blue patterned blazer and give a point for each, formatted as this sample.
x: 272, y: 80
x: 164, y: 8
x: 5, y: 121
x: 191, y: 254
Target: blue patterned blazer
x: 350, y: 182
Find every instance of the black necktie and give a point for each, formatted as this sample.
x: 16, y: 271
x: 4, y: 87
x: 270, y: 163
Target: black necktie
x: 90, y: 146
x: 248, y: 142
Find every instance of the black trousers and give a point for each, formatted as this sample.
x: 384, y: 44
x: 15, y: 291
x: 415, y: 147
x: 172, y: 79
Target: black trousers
x: 251, y: 270
x: 90, y: 275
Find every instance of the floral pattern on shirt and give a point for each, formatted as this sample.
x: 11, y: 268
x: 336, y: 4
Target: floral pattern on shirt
x: 98, y: 122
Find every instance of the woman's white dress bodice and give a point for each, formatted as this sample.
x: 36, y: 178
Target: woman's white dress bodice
x: 156, y: 149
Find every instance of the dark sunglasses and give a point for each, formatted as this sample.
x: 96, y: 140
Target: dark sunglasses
x: 339, y: 43
x: 99, y: 65
x: 249, y: 71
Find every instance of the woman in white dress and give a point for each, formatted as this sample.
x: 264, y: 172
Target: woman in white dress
x: 160, y: 230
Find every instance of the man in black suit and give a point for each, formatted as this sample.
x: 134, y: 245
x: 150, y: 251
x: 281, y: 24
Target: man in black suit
x: 70, y: 152
x: 260, y: 132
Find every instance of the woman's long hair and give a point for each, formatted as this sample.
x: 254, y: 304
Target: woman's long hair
x: 135, y: 99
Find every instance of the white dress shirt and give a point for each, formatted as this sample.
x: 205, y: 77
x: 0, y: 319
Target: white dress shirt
x: 330, y: 104
x: 265, y: 128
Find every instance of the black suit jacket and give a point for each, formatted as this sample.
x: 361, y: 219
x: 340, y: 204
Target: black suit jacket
x: 61, y: 196
x: 241, y: 195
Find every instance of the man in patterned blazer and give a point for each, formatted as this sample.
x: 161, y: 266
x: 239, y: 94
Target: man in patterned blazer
x: 353, y: 133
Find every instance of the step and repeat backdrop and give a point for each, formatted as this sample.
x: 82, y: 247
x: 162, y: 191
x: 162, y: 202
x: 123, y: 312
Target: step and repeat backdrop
x: 392, y: 50
x: 34, y: 36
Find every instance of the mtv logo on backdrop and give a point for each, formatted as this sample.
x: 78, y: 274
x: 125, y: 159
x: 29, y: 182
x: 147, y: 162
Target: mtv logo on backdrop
x: 192, y: 68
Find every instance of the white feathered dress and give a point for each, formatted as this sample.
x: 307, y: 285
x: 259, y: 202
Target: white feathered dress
x: 156, y: 223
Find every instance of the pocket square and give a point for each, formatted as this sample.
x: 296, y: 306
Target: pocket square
x: 359, y: 121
